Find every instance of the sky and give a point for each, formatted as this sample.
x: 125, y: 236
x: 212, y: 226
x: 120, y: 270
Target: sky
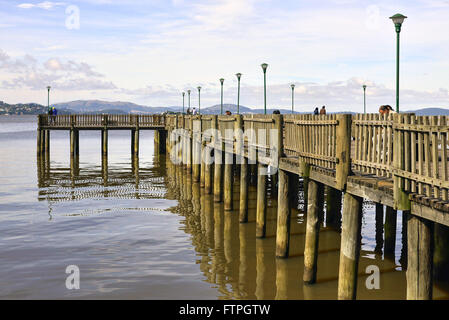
x: 148, y: 52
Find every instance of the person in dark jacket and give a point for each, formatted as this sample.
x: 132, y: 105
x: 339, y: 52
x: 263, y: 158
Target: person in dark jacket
x: 316, y: 111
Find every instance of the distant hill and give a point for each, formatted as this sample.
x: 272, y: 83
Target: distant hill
x: 431, y: 112
x: 118, y: 107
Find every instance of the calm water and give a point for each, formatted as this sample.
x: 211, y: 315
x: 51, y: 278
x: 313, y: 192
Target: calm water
x: 145, y: 231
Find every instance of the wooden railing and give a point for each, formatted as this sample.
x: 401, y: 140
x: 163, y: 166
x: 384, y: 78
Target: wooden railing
x: 312, y: 138
x: 372, y: 149
x: 263, y: 139
x: 421, y: 164
x: 101, y: 120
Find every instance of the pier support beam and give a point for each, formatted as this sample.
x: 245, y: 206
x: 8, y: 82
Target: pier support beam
x: 218, y: 174
x: 135, y: 143
x: 284, y: 216
x: 390, y: 232
x: 160, y: 141
x: 203, y: 150
x: 261, y: 215
x: 47, y: 141
x: 314, y: 217
x: 228, y: 181
x: 74, y: 148
x: 350, y: 247
x: 333, y: 207
x: 420, y: 258
x: 196, y: 159
x: 379, y: 228
x: 189, y: 153
x: 39, y: 142
x: 207, y: 165
x: 441, y: 253
x: 104, y: 143
x: 244, y: 180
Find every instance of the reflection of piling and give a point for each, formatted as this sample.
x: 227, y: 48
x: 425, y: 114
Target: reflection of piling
x: 282, y: 280
x: 314, y: 216
x: 350, y: 247
x: 261, y: 215
x: 260, y: 270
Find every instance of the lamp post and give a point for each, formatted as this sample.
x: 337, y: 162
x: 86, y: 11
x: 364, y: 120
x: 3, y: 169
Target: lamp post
x: 183, y: 94
x: 293, y: 96
x: 398, y: 19
x: 48, y: 98
x: 221, y: 81
x: 238, y: 75
x: 264, y: 68
x: 199, y: 100
x: 188, y: 93
x: 364, y: 98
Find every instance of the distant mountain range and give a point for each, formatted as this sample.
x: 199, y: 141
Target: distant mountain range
x: 98, y: 106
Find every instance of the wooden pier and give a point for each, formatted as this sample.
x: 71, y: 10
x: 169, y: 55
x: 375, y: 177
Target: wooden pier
x: 398, y: 161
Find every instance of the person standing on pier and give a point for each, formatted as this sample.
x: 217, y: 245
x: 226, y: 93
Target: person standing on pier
x: 323, y: 110
x: 386, y: 109
x: 316, y: 111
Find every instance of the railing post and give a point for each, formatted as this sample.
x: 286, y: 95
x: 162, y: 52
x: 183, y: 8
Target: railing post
x: 343, y: 150
x: 401, y: 200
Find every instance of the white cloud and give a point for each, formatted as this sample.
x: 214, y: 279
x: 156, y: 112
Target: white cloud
x: 47, y: 5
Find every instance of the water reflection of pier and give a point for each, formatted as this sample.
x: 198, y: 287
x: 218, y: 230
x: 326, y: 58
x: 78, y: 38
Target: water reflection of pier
x: 93, y: 182
x: 242, y: 266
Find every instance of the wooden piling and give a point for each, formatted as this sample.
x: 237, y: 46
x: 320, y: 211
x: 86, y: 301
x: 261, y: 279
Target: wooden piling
x: 379, y: 228
x: 136, y: 143
x: 228, y: 181
x: 104, y: 142
x: 314, y: 214
x: 261, y: 215
x: 441, y: 253
x: 39, y: 142
x: 196, y: 157
x: 390, y: 232
x: 244, y: 180
x: 203, y: 151
x: 350, y: 247
x: 333, y: 207
x: 419, y: 265
x: 284, y: 216
x: 218, y: 174
x: 47, y: 141
x: 208, y: 170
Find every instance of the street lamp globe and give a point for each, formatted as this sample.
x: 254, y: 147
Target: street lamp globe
x: 398, y: 19
x: 238, y: 75
x: 264, y: 67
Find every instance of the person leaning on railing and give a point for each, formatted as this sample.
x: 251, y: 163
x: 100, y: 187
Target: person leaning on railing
x: 386, y: 109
